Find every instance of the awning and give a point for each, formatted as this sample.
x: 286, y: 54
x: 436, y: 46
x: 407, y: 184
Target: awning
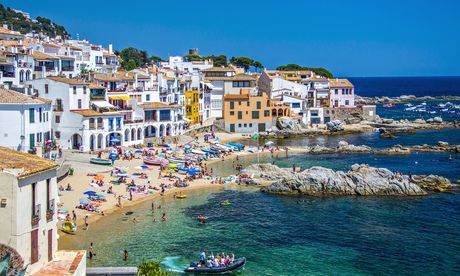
x: 119, y: 97
x: 102, y: 104
x: 186, y: 119
x: 209, y: 85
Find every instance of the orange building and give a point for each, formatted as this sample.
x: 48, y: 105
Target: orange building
x: 246, y: 113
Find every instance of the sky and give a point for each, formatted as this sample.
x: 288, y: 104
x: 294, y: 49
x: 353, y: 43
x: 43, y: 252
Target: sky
x: 350, y: 38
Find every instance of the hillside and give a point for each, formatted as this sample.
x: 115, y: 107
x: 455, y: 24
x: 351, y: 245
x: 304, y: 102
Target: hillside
x: 18, y: 22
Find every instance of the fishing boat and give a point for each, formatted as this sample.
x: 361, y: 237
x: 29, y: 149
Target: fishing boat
x: 196, y: 269
x: 153, y: 161
x: 69, y: 227
x: 100, y: 161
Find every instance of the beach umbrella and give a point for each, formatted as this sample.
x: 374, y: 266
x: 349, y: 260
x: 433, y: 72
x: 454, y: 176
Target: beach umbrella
x: 101, y: 195
x: 98, y: 177
x: 138, y: 151
x: 96, y: 204
x: 84, y: 201
x: 63, y: 210
x: 90, y: 193
x: 269, y: 143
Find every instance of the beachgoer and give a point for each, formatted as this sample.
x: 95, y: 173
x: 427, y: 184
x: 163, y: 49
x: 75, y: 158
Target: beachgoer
x: 134, y: 220
x: 125, y: 255
x: 86, y: 222
x: 90, y: 251
x: 163, y: 217
x: 74, y: 216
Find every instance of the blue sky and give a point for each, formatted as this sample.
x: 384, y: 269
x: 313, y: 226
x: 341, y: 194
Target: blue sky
x: 351, y: 38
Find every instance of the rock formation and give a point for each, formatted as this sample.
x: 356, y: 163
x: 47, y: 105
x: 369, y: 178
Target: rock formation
x: 360, y: 180
x: 334, y: 126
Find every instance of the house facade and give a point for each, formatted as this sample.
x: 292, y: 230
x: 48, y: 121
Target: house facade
x: 342, y: 93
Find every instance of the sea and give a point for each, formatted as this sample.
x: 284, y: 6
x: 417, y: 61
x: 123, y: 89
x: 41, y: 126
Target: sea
x: 285, y: 235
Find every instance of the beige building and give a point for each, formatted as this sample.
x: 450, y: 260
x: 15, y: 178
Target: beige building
x: 28, y: 215
x: 246, y: 113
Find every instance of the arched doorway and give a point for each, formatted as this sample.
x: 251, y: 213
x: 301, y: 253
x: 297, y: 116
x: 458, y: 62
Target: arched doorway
x: 28, y: 75
x: 168, y: 130
x: 92, y: 142
x: 21, y: 76
x: 76, y: 141
x: 100, y: 141
x: 133, y: 134
x: 280, y: 112
x: 162, y: 130
x: 126, y: 135
x: 139, y: 134
x: 114, y: 139
x: 274, y: 112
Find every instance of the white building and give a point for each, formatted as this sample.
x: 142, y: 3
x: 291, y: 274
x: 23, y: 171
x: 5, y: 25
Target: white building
x: 25, y: 122
x: 179, y: 63
x: 28, y: 212
x: 342, y: 93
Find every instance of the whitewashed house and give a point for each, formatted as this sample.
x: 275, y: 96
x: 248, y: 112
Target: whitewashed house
x: 342, y: 93
x: 25, y: 122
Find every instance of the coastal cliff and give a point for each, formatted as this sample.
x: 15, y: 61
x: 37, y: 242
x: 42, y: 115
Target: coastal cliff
x: 360, y: 180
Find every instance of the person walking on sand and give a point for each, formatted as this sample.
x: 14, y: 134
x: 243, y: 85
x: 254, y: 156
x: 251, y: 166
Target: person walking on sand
x: 125, y: 255
x: 163, y: 218
x: 130, y: 195
x: 74, y: 216
x: 86, y: 222
x: 90, y: 251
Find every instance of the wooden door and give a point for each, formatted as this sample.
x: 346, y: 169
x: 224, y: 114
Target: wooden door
x: 34, y: 246
x: 50, y: 245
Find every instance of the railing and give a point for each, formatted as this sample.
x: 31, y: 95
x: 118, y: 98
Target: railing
x: 40, y: 68
x: 35, y: 215
x: 100, y: 125
x: 92, y: 126
x: 132, y: 121
x: 58, y: 108
x: 67, y: 68
x: 24, y: 64
x: 8, y: 74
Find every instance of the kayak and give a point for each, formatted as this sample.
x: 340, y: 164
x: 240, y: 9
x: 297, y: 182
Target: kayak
x: 69, y: 227
x: 100, y: 161
x: 194, y: 268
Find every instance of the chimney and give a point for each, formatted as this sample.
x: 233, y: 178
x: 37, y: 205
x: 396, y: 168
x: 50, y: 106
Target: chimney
x: 110, y: 48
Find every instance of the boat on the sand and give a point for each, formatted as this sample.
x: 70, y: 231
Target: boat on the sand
x: 153, y: 161
x: 195, y: 268
x: 69, y: 227
x: 100, y: 161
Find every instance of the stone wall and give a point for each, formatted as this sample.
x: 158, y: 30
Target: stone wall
x: 351, y: 115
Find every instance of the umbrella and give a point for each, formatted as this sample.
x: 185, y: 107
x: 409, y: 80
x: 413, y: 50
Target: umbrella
x: 138, y: 151
x: 84, y: 201
x: 96, y: 204
x: 269, y: 143
x: 90, y: 193
x: 63, y: 210
x: 98, y: 177
x: 101, y: 195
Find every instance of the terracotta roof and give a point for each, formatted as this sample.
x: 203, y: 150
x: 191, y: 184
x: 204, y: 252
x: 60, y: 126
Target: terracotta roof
x: 29, y: 163
x: 42, y: 56
x: 73, y: 47
x: 96, y: 86
x: 9, y: 32
x: 65, y: 57
x: 219, y: 69
x: 156, y: 105
x: 50, y: 45
x: 119, y: 76
x: 238, y: 77
x: 12, y: 97
x: 107, y: 54
x: 236, y: 97
x: 68, y: 81
x: 93, y: 113
x: 340, y: 83
x: 317, y: 80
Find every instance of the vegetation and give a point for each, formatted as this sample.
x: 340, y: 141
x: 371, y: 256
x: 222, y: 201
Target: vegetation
x: 295, y: 67
x: 18, y: 22
x: 218, y: 61
x: 246, y: 63
x: 151, y: 269
x: 132, y: 58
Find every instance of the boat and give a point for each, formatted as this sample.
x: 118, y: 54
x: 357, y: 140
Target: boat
x: 240, y: 146
x: 153, y: 161
x: 389, y: 105
x: 69, y: 227
x: 195, y: 268
x: 181, y: 196
x: 100, y: 161
x: 409, y: 105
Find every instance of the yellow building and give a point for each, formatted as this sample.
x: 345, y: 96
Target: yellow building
x: 192, y: 106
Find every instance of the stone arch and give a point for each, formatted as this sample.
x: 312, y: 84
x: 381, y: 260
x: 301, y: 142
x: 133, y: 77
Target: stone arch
x: 76, y: 141
x: 126, y: 135
x: 92, y: 142
x: 161, y: 131
x: 133, y: 134
x: 274, y: 112
x: 114, y: 139
x: 16, y: 263
x: 100, y: 141
x: 286, y: 112
x: 168, y: 130
x: 139, y: 134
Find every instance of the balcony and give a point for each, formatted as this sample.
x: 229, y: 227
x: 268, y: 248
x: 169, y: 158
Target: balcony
x: 132, y: 121
x: 58, y: 108
x: 50, y: 210
x: 100, y: 125
x: 92, y: 126
x: 35, y: 216
x: 24, y: 64
x: 40, y: 68
x: 8, y: 74
x: 68, y: 68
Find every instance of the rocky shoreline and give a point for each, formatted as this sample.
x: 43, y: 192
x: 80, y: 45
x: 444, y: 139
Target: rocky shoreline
x: 403, y: 99
x: 360, y: 180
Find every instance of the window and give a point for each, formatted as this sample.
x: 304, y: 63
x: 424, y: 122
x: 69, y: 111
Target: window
x: 232, y: 105
x: 241, y: 84
x: 255, y: 114
x: 240, y: 115
x: 31, y: 115
x: 232, y: 113
x: 40, y: 114
x: 31, y: 140
x: 39, y: 137
x: 47, y: 118
x: 258, y: 104
x: 57, y: 119
x: 250, y: 124
x: 239, y: 125
x: 239, y: 102
x: 74, y: 90
x: 57, y: 134
x: 79, y: 103
x: 245, y: 125
x: 84, y: 90
x: 336, y: 91
x: 267, y: 113
x: 295, y: 105
x: 347, y: 102
x: 147, y: 97
x: 46, y: 89
x: 247, y: 103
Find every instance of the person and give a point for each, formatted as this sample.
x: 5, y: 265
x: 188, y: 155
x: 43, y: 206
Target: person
x: 163, y: 218
x: 203, y: 257
x: 134, y: 220
x: 90, y: 251
x: 125, y: 255
x: 153, y: 206
x: 216, y: 262
x: 130, y: 195
x: 69, y: 188
x: 74, y: 216
x: 86, y: 222
x: 209, y: 263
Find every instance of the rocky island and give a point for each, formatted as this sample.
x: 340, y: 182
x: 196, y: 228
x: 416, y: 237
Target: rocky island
x: 360, y: 180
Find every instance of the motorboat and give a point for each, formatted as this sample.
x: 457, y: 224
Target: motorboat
x: 196, y: 269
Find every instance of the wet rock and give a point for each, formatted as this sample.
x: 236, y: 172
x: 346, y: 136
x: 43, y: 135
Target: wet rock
x: 288, y: 123
x: 335, y: 126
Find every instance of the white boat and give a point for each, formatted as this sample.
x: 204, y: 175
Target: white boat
x: 409, y: 105
x: 432, y: 112
x: 445, y: 109
x: 424, y: 103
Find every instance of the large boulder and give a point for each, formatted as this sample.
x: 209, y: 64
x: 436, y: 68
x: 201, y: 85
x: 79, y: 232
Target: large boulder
x: 359, y: 180
x: 287, y: 123
x: 437, y: 120
x: 334, y: 126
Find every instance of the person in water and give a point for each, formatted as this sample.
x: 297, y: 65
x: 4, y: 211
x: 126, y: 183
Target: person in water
x: 163, y: 218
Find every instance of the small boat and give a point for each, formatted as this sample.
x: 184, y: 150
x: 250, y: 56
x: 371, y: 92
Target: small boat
x: 69, y: 227
x: 389, y: 105
x: 153, y: 161
x: 181, y: 196
x: 408, y: 105
x: 195, y: 268
x: 100, y: 161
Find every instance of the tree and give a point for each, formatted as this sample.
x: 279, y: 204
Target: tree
x: 193, y: 57
x: 218, y: 61
x: 155, y: 59
x: 151, y: 269
x: 244, y: 62
x: 132, y: 58
x: 295, y: 67
x: 258, y: 65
